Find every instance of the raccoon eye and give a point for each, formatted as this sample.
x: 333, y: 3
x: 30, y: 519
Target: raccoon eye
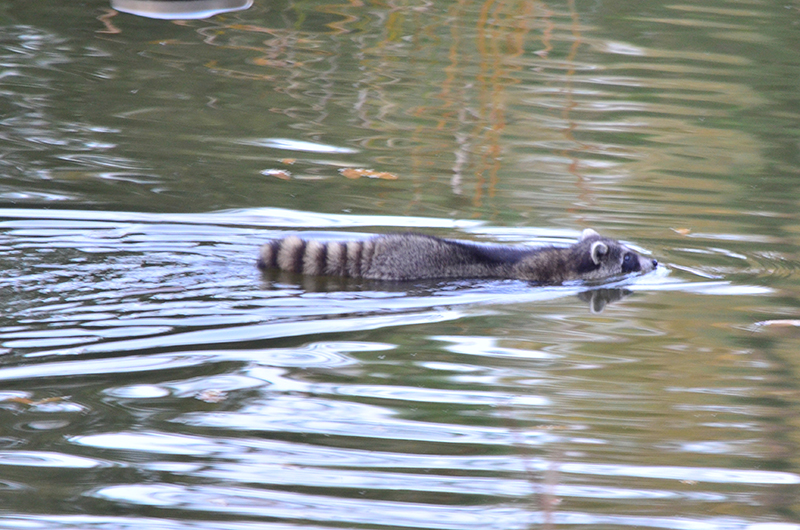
x: 629, y: 263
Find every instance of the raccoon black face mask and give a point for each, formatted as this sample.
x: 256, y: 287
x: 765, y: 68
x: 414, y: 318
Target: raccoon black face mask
x: 416, y: 256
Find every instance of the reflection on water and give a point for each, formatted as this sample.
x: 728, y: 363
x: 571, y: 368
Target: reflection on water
x: 179, y: 9
x: 502, y: 110
x: 153, y: 377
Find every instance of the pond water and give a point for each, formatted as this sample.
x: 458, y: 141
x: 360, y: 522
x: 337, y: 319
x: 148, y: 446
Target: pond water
x: 152, y: 377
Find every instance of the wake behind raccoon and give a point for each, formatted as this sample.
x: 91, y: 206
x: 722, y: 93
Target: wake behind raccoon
x: 412, y: 256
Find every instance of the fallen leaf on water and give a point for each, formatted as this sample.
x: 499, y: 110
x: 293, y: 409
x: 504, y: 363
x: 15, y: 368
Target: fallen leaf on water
x: 354, y: 173
x: 279, y: 173
x: 26, y: 401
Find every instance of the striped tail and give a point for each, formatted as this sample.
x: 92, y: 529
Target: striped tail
x: 316, y: 258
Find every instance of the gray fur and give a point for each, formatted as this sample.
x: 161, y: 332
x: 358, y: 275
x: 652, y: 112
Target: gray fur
x: 416, y: 256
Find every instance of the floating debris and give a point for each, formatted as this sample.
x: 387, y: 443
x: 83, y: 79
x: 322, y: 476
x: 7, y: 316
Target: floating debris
x: 353, y: 173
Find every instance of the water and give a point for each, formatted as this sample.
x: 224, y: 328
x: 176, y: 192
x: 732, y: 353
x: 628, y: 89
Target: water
x: 152, y: 377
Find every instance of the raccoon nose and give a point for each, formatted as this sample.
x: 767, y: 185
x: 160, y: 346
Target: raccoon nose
x: 655, y: 263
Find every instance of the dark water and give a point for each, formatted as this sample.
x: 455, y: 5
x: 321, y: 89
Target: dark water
x: 151, y: 377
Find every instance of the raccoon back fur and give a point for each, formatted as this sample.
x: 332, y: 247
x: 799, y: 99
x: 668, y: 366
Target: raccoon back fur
x: 415, y: 256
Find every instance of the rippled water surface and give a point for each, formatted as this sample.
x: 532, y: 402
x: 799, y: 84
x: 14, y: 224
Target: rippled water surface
x: 152, y: 377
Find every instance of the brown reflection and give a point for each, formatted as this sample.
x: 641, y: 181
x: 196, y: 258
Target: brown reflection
x: 106, y: 19
x: 473, y: 108
x: 490, y: 106
x: 569, y: 105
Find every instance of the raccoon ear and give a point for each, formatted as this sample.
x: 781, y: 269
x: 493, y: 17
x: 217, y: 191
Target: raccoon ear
x: 587, y: 233
x: 598, y: 250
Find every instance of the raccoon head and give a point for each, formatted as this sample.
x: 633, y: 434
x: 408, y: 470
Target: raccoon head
x: 601, y: 257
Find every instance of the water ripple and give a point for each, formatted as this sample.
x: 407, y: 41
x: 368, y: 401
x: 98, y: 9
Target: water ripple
x: 289, y: 505
x: 48, y: 459
x: 218, y: 375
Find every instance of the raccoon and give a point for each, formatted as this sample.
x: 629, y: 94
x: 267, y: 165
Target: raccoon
x: 411, y: 256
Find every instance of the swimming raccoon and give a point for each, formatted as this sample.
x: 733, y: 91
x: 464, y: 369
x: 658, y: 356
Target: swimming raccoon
x: 415, y: 256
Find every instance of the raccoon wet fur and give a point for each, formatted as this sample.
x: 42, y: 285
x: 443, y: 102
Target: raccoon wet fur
x: 412, y: 256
